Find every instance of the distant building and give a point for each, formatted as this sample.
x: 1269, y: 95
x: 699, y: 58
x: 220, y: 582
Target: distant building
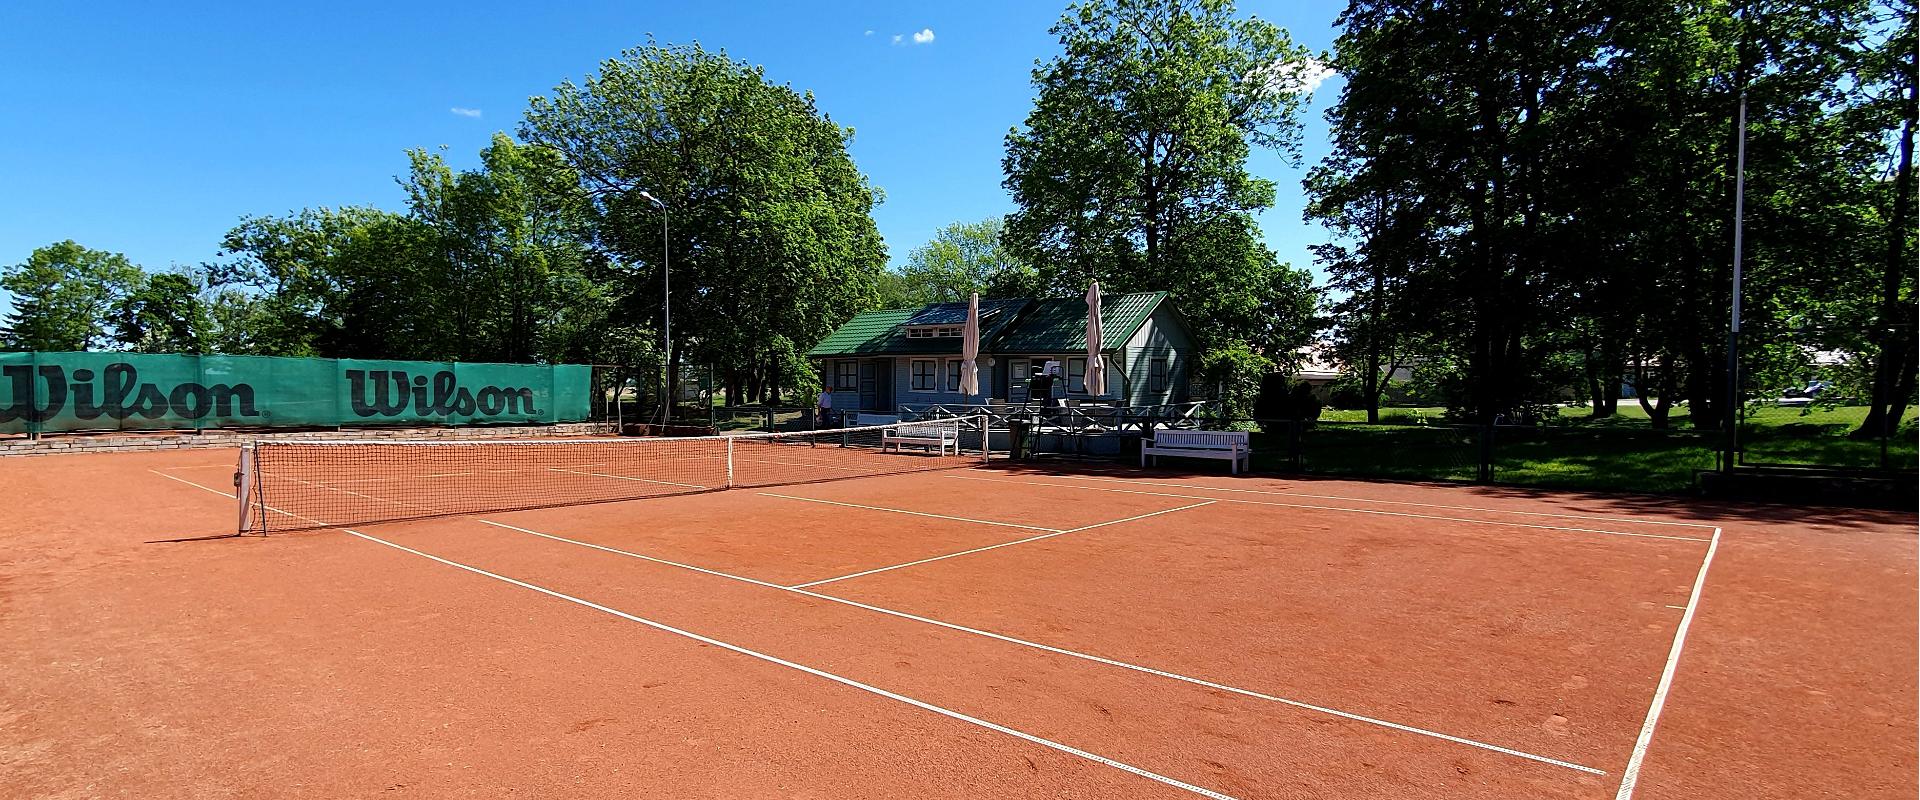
x: 886, y: 358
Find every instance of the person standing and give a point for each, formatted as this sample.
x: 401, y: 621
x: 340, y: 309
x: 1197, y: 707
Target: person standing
x: 823, y: 408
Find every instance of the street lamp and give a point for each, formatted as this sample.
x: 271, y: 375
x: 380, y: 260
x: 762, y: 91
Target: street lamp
x: 666, y: 312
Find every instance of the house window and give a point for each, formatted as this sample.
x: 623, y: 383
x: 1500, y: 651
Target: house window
x: 1077, y: 375
x: 1157, y: 376
x: 846, y: 375
x: 926, y: 375
x: 953, y: 374
x: 936, y: 333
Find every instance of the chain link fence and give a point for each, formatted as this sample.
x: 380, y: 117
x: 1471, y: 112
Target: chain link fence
x: 1564, y: 457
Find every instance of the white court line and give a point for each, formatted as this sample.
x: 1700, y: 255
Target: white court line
x: 818, y: 673
x: 228, y: 495
x: 1337, y: 508
x: 1065, y: 652
x: 914, y: 513
x: 1630, y: 776
x: 1482, y: 509
x: 920, y: 704
x: 994, y: 546
x: 738, y: 460
x: 627, y: 478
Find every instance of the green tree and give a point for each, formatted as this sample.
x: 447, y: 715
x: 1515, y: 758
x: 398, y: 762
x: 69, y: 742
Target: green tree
x: 963, y: 258
x: 512, y: 240
x: 1888, y: 74
x: 63, y: 296
x: 347, y: 283
x: 770, y: 231
x: 163, y: 313
x: 1551, y: 184
x: 1132, y: 166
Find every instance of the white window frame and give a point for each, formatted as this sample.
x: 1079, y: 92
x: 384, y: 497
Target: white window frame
x: 936, y: 332
x: 933, y: 373
x: 846, y: 375
x: 1159, y: 375
x: 1077, y: 384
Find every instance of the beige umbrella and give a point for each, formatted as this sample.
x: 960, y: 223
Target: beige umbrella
x: 970, y: 350
x: 1096, y: 379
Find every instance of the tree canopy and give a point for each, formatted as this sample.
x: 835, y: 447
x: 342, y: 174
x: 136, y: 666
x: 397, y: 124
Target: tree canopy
x: 1523, y: 188
x: 767, y: 220
x: 1132, y: 167
x: 962, y: 258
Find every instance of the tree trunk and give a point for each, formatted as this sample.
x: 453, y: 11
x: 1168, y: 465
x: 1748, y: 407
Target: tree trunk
x: 1893, y: 376
x: 1658, y: 412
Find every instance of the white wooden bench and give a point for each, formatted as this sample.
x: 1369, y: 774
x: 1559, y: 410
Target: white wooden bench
x: 1232, y: 446
x: 932, y: 437
x: 863, y: 420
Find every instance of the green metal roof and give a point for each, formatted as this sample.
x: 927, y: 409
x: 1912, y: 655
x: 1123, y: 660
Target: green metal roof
x: 1037, y: 326
x: 885, y: 332
x: 1060, y: 325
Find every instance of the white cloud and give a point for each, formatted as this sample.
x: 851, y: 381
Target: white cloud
x: 1294, y: 77
x: 925, y: 36
x: 471, y: 113
x: 868, y: 33
x: 896, y: 38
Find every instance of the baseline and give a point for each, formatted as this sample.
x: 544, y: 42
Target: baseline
x: 1339, y: 509
x: 1630, y: 777
x: 1481, y: 509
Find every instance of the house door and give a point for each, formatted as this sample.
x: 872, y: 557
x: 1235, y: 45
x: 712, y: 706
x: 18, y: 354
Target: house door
x: 1017, y: 380
x: 869, y: 386
x: 882, y: 385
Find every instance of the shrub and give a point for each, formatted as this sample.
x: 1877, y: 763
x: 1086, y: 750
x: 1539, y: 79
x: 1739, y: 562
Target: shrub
x: 1348, y: 394
x: 1282, y: 398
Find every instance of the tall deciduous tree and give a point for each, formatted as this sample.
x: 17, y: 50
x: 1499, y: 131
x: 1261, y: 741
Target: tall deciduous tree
x: 346, y: 283
x: 963, y: 258
x: 771, y: 237
x: 1132, y: 166
x: 162, y: 313
x: 512, y: 242
x: 64, y: 296
x: 1566, y: 174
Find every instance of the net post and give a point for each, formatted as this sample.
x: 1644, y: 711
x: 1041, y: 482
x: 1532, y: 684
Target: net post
x: 243, y: 488
x: 729, y: 462
x: 986, y: 438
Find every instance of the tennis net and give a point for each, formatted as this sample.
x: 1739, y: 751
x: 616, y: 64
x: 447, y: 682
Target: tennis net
x: 322, y: 483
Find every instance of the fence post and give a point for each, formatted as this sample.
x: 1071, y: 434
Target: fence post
x: 1486, y: 454
x: 34, y: 400
x: 769, y: 415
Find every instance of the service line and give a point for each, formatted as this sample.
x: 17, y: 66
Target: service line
x: 818, y: 673
x: 1346, y: 715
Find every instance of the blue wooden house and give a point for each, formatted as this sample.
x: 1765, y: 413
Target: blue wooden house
x: 912, y: 356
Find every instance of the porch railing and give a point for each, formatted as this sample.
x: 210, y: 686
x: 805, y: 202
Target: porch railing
x: 1080, y: 419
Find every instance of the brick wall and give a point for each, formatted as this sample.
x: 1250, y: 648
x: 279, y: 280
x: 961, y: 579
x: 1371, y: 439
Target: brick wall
x: 163, y: 440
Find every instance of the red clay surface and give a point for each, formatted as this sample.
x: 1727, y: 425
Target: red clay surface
x: 1389, y: 640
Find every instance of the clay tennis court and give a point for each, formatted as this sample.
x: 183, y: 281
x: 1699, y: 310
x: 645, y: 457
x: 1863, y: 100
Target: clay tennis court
x: 979, y: 631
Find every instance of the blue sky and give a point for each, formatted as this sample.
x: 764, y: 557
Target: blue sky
x: 151, y: 129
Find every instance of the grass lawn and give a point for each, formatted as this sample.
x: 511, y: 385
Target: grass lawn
x: 1621, y: 453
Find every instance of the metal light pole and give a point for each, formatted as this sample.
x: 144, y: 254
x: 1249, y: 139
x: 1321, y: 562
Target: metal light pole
x: 1733, y: 334
x: 666, y: 313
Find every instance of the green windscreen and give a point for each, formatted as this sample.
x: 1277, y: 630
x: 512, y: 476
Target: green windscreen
x: 53, y: 392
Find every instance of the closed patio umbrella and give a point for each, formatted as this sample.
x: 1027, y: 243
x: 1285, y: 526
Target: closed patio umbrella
x: 970, y: 350
x: 1096, y: 379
